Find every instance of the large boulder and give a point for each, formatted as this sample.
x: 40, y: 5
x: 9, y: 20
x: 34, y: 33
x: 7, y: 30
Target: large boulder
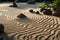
x: 21, y: 16
x: 1, y: 28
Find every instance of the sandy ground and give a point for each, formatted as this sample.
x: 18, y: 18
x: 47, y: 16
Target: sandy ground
x: 34, y: 27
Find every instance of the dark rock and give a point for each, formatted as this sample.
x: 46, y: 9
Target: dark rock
x: 31, y: 10
x: 14, y: 5
x: 21, y: 16
x: 47, y: 12
x: 1, y: 38
x: 0, y: 2
x: 37, y: 12
x: 1, y: 28
x: 56, y: 12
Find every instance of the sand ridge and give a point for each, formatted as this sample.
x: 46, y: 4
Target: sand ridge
x: 38, y: 27
x: 41, y: 27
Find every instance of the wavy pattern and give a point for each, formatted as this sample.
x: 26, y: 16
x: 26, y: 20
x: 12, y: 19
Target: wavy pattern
x: 41, y: 28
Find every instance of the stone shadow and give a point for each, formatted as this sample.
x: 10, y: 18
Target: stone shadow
x: 3, y: 35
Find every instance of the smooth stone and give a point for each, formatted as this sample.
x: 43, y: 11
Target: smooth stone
x: 21, y: 16
x: 31, y: 10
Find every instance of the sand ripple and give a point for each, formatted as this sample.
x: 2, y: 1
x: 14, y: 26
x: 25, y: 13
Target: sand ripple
x: 41, y: 27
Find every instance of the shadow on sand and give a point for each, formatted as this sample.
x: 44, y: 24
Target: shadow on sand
x: 3, y: 35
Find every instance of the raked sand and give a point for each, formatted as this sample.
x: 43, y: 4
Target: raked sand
x: 34, y: 27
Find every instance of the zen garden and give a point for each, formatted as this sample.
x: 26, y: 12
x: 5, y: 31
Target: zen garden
x: 29, y: 19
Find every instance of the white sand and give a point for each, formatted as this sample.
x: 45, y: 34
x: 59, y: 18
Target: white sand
x: 36, y: 27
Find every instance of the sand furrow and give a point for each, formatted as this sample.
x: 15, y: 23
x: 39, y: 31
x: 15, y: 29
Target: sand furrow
x: 38, y: 32
x: 41, y: 27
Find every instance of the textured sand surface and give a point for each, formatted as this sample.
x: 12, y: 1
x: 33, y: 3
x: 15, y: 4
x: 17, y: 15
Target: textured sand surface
x: 34, y: 27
